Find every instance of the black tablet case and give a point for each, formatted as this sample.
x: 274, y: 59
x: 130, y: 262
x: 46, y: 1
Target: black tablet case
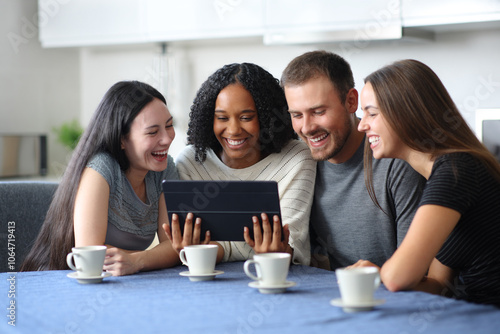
x: 224, y: 207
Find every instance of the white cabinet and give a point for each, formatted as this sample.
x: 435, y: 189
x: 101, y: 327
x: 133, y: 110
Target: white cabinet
x: 90, y: 22
x: 97, y: 22
x: 296, y: 21
x: 442, y: 12
x: 202, y: 19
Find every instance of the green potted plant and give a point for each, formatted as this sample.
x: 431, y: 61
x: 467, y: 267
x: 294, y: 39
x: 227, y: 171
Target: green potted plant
x: 69, y: 133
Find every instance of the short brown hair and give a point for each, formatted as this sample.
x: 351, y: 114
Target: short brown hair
x: 317, y: 63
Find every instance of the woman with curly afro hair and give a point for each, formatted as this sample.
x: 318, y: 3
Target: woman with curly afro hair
x: 240, y: 129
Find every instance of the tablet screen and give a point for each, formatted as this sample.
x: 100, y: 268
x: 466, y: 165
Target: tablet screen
x: 224, y: 207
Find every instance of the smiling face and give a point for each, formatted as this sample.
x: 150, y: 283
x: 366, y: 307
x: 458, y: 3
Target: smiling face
x: 383, y: 140
x: 322, y: 120
x: 151, y: 133
x: 236, y: 127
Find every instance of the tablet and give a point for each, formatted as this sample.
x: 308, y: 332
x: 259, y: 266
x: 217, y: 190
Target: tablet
x: 224, y: 207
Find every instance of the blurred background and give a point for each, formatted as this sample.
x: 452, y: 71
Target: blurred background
x: 58, y: 57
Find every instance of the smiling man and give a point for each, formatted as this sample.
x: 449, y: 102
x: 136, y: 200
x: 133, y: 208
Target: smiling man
x: 346, y: 225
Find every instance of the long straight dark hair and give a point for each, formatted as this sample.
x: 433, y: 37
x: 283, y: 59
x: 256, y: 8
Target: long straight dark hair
x: 110, y: 123
x: 419, y: 109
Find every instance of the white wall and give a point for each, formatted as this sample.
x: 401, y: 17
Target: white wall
x: 165, y: 70
x: 39, y: 88
x: 466, y: 61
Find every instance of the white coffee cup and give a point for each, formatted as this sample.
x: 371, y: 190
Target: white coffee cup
x: 271, y: 268
x: 358, y: 285
x: 89, y: 260
x: 199, y: 258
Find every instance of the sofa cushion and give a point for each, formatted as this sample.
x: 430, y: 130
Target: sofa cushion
x: 23, y: 206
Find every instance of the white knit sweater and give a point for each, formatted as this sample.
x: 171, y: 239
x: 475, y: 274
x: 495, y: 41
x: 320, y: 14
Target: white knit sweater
x: 294, y: 170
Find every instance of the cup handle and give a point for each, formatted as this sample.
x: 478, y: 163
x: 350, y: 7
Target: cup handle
x: 377, y: 281
x: 182, y: 256
x: 69, y: 261
x: 246, y: 268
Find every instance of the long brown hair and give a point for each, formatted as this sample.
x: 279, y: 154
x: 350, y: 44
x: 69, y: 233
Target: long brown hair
x: 419, y: 109
x: 109, y: 124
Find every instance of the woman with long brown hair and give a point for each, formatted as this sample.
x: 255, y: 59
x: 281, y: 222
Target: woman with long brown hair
x: 454, y: 236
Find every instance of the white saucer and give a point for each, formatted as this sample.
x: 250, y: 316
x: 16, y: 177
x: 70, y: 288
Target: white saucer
x: 271, y: 288
x: 89, y: 279
x: 358, y: 307
x: 201, y: 277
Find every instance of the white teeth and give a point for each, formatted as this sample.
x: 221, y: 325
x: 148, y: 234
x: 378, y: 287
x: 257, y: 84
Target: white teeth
x: 235, y: 142
x: 160, y: 152
x: 373, y: 139
x: 317, y: 139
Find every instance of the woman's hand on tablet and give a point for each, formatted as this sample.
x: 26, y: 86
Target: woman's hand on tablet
x: 266, y: 239
x: 191, y: 234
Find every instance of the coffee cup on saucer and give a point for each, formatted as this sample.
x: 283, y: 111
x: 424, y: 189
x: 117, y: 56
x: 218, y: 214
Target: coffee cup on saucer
x: 88, y: 263
x: 357, y: 287
x: 271, y: 270
x: 200, y: 259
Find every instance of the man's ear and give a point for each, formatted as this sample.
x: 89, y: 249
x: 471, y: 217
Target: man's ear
x: 351, y: 100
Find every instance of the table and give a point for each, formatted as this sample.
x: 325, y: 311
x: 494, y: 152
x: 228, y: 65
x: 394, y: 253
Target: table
x: 164, y: 302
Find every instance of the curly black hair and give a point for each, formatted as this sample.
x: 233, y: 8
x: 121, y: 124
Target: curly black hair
x: 272, y: 110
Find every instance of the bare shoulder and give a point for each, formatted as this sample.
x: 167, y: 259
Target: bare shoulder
x: 93, y: 179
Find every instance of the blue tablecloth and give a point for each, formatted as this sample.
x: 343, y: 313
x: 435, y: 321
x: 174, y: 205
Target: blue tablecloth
x: 164, y: 302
